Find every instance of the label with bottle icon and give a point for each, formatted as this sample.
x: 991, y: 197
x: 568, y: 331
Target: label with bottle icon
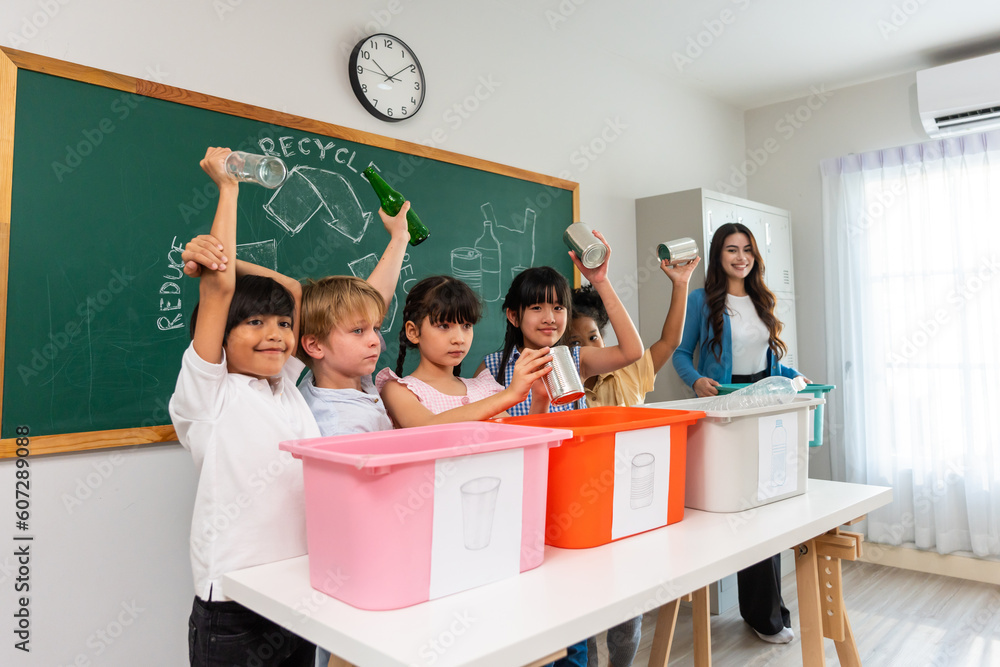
x: 778, y: 464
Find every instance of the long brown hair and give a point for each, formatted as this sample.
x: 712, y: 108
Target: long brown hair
x: 717, y: 283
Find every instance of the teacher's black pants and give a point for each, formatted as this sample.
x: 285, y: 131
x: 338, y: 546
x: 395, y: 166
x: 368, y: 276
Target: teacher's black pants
x: 761, y: 605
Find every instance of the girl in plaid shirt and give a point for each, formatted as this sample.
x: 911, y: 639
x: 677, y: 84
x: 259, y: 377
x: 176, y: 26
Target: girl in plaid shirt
x: 538, y: 306
x: 438, y: 317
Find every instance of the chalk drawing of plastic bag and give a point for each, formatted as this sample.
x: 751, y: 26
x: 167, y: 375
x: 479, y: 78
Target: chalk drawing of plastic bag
x: 309, y: 193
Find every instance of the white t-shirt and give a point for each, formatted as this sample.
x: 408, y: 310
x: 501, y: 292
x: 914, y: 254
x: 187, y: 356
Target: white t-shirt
x: 249, y: 508
x: 749, y: 336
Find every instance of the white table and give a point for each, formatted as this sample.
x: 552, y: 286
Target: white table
x: 574, y: 594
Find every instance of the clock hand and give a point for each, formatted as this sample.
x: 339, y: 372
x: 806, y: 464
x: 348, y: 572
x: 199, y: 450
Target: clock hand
x: 402, y: 70
x: 387, y: 77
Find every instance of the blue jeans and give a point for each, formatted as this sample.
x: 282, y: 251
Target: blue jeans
x: 623, y: 643
x: 576, y: 656
x: 227, y: 634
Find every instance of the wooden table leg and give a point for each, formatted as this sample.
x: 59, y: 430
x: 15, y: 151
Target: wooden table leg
x: 847, y: 650
x: 666, y: 620
x: 702, y: 628
x: 810, y: 616
x: 821, y: 597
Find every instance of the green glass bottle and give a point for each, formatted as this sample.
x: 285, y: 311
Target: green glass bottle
x: 392, y: 201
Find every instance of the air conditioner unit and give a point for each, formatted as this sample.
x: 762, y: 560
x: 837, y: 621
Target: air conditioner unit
x: 961, y: 97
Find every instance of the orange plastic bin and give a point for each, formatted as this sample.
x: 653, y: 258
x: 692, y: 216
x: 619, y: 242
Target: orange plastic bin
x: 621, y: 474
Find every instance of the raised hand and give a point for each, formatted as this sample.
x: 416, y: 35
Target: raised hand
x: 203, y: 251
x: 396, y: 225
x: 214, y: 164
x: 600, y: 274
x: 679, y: 274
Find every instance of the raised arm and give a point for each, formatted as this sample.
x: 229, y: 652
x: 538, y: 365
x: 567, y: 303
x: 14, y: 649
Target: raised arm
x: 673, y: 326
x: 597, y: 360
x: 217, y: 285
x: 386, y: 273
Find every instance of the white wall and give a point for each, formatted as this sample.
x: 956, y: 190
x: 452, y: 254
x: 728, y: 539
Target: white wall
x: 549, y: 97
x: 827, y: 124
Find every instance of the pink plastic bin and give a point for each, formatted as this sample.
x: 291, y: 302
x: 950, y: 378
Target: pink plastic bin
x: 370, y: 509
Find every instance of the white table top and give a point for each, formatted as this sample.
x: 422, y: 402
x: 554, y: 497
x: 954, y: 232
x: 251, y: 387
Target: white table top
x: 574, y: 594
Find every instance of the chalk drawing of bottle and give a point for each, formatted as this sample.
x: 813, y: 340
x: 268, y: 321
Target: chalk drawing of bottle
x: 779, y: 449
x: 489, y: 249
x: 467, y: 266
x: 479, y: 503
x: 309, y: 193
x: 642, y: 480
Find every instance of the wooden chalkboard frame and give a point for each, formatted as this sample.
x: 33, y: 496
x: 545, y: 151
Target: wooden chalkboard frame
x: 12, y: 60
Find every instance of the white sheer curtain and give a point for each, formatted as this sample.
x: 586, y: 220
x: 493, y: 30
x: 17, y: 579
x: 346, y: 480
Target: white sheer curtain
x: 913, y: 306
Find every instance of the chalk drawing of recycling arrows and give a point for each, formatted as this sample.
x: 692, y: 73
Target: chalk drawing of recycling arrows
x: 310, y: 193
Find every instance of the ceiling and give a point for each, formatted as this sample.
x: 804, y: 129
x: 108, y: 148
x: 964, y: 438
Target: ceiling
x: 752, y: 53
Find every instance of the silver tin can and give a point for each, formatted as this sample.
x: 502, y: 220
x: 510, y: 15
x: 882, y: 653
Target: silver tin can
x: 678, y: 250
x: 563, y: 384
x: 579, y: 238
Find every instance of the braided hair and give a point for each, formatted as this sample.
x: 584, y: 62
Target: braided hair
x: 439, y: 299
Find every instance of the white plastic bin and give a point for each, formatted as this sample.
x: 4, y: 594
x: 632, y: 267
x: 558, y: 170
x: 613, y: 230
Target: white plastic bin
x: 740, y: 459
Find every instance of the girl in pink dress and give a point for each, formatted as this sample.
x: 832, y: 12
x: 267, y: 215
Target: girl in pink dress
x: 438, y: 317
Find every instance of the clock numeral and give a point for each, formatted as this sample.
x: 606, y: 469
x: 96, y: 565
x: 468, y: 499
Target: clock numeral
x: 402, y: 53
x: 361, y: 69
x: 366, y: 55
x: 403, y: 111
x: 388, y: 112
x: 416, y: 85
x: 388, y: 43
x: 413, y: 100
x: 413, y: 69
x: 374, y: 102
x: 364, y: 88
x: 372, y: 43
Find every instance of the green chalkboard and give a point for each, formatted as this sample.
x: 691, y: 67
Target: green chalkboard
x: 106, y: 190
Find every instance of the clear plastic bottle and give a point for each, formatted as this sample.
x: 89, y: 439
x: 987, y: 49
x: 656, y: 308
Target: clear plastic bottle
x: 265, y: 170
x: 774, y: 390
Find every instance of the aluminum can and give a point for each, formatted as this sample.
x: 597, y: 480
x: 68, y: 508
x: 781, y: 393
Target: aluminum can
x: 678, y: 250
x: 563, y: 384
x: 579, y: 238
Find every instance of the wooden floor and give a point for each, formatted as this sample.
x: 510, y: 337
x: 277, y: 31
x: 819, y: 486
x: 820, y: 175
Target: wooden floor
x: 899, y: 617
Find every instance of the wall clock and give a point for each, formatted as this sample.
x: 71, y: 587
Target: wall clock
x: 387, y: 78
